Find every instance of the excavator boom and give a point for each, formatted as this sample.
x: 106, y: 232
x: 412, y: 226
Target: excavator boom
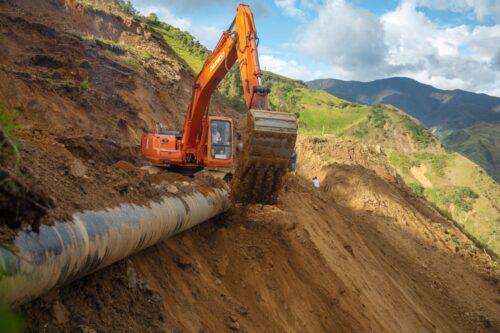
x: 269, y: 137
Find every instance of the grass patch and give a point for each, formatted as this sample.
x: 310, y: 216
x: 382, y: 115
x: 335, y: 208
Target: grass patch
x: 417, y: 189
x: 461, y: 197
x: 117, y: 7
x: 183, y: 43
x: 404, y: 162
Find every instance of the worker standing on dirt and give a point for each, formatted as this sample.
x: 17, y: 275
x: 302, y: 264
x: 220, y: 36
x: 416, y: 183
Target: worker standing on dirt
x: 315, y: 181
x: 293, y: 164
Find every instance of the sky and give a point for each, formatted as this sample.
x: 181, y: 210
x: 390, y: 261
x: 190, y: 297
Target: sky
x: 450, y: 44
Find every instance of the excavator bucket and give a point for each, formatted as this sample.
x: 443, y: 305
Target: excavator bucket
x: 269, y: 140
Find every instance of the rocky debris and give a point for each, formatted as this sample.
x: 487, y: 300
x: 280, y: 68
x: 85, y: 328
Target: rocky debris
x: 233, y: 323
x: 60, y: 313
x: 77, y: 169
x: 171, y: 189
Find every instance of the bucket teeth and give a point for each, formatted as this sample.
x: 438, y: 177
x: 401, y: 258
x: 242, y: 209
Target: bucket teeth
x: 268, y: 145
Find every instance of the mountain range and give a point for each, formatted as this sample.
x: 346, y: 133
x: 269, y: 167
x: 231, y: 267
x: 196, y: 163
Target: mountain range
x: 467, y: 122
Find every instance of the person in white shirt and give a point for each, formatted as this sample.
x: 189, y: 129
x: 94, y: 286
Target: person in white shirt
x: 315, y: 181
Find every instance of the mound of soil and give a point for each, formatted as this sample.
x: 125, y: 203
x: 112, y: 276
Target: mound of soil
x: 320, y: 262
x: 113, y: 300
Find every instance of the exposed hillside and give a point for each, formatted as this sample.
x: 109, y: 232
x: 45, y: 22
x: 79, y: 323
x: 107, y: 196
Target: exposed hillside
x: 362, y: 254
x: 458, y: 115
x: 456, y: 186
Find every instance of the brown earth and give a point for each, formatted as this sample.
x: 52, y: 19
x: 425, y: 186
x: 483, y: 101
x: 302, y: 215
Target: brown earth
x: 363, y: 254
x: 113, y: 300
x: 373, y: 259
x: 85, y: 84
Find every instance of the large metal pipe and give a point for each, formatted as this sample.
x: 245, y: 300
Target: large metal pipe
x: 34, y: 263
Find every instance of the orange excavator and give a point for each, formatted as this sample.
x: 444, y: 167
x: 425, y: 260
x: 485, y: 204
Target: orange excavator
x: 209, y: 141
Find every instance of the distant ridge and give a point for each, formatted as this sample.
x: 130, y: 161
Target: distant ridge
x: 446, y: 111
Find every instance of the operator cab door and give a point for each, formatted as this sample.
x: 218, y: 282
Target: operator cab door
x: 220, y: 143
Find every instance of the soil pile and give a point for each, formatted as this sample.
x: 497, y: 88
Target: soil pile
x: 112, y: 300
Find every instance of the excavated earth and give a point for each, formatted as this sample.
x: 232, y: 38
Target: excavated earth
x: 362, y: 254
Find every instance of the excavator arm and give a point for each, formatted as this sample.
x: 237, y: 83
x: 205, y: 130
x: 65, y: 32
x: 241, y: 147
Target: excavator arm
x: 239, y: 42
x: 269, y: 136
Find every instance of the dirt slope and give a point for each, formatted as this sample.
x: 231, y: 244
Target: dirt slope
x: 361, y: 255
x: 373, y: 259
x: 85, y: 84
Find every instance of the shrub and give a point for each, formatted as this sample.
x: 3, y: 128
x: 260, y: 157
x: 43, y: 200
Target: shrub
x: 420, y: 134
x: 378, y: 116
x: 127, y: 7
x: 85, y: 84
x: 417, y: 189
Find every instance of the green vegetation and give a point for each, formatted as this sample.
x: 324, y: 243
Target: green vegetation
x: 460, y: 188
x: 378, y: 116
x: 9, y: 149
x: 11, y: 322
x: 118, y: 7
x: 85, y: 84
x: 183, y: 43
x: 417, y: 189
x: 127, y: 7
x: 405, y: 161
x: 420, y: 134
x: 320, y: 114
x: 232, y: 89
x: 452, y: 197
x: 480, y: 143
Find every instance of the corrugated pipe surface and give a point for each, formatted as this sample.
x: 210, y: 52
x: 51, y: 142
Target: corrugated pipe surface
x: 35, y: 263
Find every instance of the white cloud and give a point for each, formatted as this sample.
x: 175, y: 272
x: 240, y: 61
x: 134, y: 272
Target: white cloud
x: 290, y: 8
x: 482, y: 9
x: 404, y: 42
x: 289, y: 68
x: 345, y: 37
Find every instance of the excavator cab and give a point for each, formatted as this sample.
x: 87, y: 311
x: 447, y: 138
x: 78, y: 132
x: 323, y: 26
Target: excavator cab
x: 220, y: 143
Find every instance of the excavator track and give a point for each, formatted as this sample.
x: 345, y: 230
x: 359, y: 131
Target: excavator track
x: 269, y: 141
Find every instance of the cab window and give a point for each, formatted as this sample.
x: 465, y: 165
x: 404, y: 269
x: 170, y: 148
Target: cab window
x: 221, y: 139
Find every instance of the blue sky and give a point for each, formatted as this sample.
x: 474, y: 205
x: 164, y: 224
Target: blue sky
x: 451, y: 44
